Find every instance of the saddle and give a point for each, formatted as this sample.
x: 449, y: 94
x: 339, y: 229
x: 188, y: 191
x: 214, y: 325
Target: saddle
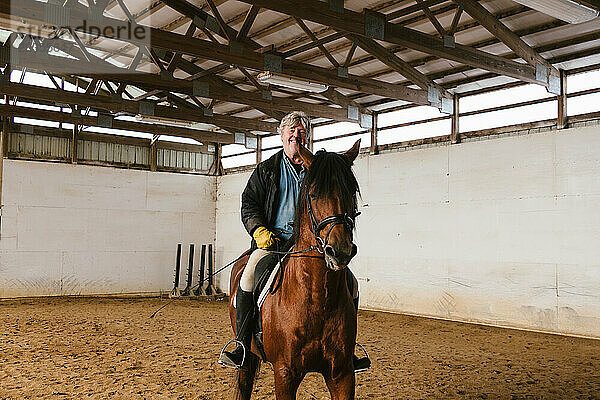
x: 265, y: 275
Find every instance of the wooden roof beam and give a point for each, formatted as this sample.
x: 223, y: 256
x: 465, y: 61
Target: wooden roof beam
x: 201, y: 48
x: 248, y: 21
x: 217, y: 89
x: 112, y: 105
x: 436, y: 24
x: 398, y: 65
x: 203, y: 19
x: 374, y: 25
x: 159, y: 129
x: 412, y: 9
x: 312, y: 37
x: 544, y: 70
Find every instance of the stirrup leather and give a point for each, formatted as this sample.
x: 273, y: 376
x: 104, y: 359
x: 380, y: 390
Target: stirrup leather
x: 228, y: 362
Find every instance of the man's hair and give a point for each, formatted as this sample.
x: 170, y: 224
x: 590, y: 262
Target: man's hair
x: 294, y: 117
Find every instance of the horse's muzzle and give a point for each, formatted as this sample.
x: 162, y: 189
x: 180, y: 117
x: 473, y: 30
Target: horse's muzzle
x: 337, y: 259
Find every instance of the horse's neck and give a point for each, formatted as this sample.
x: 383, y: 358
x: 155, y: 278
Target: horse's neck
x: 308, y: 276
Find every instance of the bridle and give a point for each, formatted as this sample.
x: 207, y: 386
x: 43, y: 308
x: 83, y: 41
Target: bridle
x: 348, y: 220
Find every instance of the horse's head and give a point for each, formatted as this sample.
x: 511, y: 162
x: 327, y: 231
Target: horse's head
x: 327, y: 205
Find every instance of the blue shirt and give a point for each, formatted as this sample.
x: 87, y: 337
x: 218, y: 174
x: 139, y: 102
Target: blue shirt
x: 289, y: 188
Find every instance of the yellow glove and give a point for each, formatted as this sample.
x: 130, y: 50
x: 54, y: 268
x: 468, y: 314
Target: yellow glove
x: 264, y: 237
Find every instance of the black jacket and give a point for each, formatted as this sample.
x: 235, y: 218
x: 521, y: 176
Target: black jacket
x: 260, y: 198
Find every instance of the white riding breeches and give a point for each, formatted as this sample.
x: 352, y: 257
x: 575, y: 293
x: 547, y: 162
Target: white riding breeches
x: 247, y: 279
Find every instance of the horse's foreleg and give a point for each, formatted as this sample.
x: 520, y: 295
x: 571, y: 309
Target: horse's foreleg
x: 286, y: 383
x: 342, y: 387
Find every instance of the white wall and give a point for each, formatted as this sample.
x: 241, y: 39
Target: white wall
x: 231, y: 239
x: 503, y: 231
x: 72, y: 229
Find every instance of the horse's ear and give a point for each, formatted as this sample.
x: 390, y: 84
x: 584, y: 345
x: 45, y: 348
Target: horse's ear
x: 306, y: 155
x: 353, y: 152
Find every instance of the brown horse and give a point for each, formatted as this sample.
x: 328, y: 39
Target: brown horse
x: 309, y: 323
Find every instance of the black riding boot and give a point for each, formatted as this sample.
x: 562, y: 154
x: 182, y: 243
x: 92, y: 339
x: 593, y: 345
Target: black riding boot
x: 243, y: 317
x: 364, y: 363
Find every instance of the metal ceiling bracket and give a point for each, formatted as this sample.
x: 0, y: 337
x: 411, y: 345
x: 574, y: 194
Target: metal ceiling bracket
x: 161, y: 53
x: 75, y: 113
x: 374, y: 25
x: 342, y: 72
x: 236, y: 47
x: 146, y: 108
x: 366, y: 121
x: 267, y: 95
x: 211, y: 24
x: 336, y: 5
x: 211, y: 148
x: 541, y: 73
x: 57, y: 15
x: 105, y: 120
x: 251, y: 142
x: 433, y: 95
x: 200, y: 89
x: 447, y: 106
x: 449, y: 41
x: 166, y: 76
x: 199, y: 22
x: 353, y: 113
x: 554, y: 85
x: 239, y: 138
x: 208, y: 112
x: 272, y: 63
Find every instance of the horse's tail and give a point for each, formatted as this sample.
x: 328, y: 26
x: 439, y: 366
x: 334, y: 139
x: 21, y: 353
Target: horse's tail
x: 245, y: 377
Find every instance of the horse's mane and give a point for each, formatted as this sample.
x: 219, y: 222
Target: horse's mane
x: 328, y: 173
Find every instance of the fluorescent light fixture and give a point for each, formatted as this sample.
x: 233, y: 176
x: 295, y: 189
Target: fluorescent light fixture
x: 292, y: 83
x: 566, y: 10
x: 169, y: 122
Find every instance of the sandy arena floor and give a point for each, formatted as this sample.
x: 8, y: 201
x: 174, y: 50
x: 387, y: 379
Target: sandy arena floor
x: 110, y: 349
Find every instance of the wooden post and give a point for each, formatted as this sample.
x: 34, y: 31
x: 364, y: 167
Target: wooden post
x: 3, y: 143
x: 153, y: 153
x: 455, y: 134
x: 374, y: 148
x: 258, y: 149
x: 74, y: 144
x: 561, y: 122
x: 220, y: 169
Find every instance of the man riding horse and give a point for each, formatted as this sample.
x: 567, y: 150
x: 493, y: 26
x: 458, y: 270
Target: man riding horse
x: 268, y: 209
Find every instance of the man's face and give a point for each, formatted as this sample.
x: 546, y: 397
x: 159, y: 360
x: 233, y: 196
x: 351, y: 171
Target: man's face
x: 290, y: 136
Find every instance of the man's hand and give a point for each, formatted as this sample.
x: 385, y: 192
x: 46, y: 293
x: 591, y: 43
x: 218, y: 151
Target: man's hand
x: 264, y: 238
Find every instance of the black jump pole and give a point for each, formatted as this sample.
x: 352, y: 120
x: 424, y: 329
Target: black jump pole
x: 175, y: 291
x: 211, y: 288
x: 200, y: 289
x: 188, y: 286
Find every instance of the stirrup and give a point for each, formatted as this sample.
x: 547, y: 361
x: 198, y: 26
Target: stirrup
x: 228, y: 362
x: 367, y: 367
